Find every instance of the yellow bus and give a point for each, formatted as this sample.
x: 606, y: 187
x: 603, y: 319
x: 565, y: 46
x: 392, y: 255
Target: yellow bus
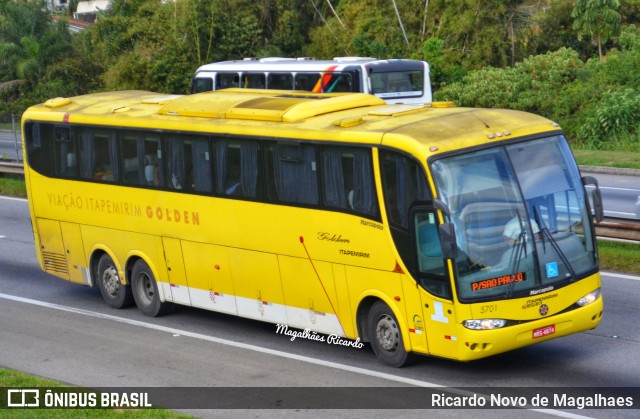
x: 453, y: 232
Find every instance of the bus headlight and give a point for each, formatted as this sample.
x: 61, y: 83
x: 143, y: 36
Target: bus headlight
x: 484, y: 324
x: 589, y: 298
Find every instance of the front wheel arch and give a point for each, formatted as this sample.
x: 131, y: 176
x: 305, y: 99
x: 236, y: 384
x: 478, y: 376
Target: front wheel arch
x: 386, y: 336
x: 368, y: 335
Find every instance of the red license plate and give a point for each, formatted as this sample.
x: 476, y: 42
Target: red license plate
x: 544, y: 331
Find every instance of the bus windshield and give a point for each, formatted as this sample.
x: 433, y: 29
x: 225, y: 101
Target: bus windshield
x: 521, y: 219
x: 392, y: 84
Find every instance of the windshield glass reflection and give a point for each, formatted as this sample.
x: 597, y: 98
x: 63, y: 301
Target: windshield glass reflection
x: 520, y: 216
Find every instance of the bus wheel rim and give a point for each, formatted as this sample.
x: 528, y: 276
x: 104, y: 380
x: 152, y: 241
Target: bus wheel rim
x: 387, y: 333
x: 146, y: 288
x: 111, y: 280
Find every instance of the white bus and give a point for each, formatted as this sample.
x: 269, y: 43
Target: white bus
x: 395, y: 81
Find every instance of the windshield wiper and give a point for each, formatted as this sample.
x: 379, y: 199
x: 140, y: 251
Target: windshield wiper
x: 546, y: 233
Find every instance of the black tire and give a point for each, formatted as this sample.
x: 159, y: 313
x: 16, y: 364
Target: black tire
x: 145, y: 290
x: 386, y: 337
x: 114, y: 292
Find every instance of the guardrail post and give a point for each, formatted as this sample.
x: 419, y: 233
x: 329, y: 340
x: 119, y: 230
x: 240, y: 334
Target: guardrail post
x: 15, y: 136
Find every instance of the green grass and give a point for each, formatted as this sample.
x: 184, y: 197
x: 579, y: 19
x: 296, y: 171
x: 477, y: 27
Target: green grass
x: 619, y: 256
x: 16, y: 379
x: 619, y: 159
x: 12, y: 187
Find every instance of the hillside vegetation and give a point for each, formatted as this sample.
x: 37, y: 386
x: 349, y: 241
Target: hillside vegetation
x: 573, y: 61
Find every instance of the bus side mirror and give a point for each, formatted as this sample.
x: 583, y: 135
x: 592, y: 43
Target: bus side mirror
x: 596, y: 197
x: 448, y: 240
x: 598, y: 208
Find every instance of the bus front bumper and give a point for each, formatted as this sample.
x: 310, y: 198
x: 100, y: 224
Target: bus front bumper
x: 476, y: 344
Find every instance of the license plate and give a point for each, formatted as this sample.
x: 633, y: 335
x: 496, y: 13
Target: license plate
x: 544, y: 331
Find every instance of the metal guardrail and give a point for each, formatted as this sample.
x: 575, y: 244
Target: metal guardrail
x: 11, y: 167
x: 619, y: 229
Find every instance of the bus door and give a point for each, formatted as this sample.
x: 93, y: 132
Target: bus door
x: 431, y: 272
x: 426, y: 286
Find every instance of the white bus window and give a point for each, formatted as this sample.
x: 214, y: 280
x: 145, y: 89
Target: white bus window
x: 337, y: 83
x: 281, y: 81
x: 254, y: 81
x: 227, y: 80
x: 202, y: 84
x: 307, y: 81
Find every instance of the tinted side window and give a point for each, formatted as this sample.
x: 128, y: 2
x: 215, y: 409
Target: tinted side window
x: 41, y: 145
x: 254, y: 81
x: 99, y: 154
x: 337, y: 82
x: 141, y: 158
x: 347, y: 178
x: 283, y: 81
x: 51, y: 150
x: 308, y: 81
x: 227, y: 80
x: 188, y: 163
x: 404, y: 183
x: 238, y: 169
x: 292, y: 173
x: 201, y: 84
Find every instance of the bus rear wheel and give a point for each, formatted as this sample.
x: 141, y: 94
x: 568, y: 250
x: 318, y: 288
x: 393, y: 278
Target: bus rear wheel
x: 145, y: 290
x: 114, y: 292
x: 386, y: 337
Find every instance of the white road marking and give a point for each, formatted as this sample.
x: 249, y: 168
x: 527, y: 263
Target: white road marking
x: 619, y: 189
x: 259, y: 349
x: 626, y: 214
x: 11, y: 198
x: 623, y: 276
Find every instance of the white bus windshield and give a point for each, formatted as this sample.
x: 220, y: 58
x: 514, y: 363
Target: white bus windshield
x: 394, y: 84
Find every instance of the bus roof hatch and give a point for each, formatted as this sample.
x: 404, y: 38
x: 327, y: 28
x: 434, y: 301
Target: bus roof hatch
x: 265, y: 105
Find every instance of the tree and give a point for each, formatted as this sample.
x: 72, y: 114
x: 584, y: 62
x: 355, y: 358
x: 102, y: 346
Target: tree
x: 598, y: 19
x: 20, y: 23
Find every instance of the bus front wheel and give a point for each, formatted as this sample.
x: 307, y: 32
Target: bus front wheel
x: 114, y: 292
x: 145, y: 290
x: 386, y: 337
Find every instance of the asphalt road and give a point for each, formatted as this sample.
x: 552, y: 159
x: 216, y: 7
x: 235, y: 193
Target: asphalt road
x: 620, y: 194
x: 64, y: 331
